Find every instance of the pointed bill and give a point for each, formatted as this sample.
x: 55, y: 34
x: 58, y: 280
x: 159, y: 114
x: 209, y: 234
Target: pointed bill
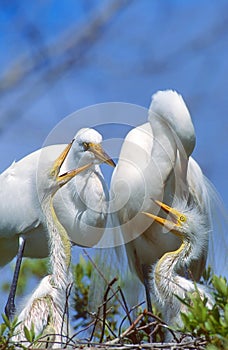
x: 158, y: 219
x: 176, y: 218
x: 59, y: 161
x: 64, y: 178
x: 174, y: 214
x: 101, y: 154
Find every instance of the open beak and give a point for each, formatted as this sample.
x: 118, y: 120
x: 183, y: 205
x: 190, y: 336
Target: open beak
x: 175, y: 218
x: 64, y: 178
x: 98, y: 151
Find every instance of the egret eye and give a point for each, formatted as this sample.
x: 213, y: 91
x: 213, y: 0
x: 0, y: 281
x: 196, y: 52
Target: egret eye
x: 53, y: 173
x: 85, y: 146
x: 182, y: 218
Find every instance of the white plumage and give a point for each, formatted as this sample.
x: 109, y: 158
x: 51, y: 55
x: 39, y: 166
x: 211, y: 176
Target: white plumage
x: 188, y: 223
x: 46, y: 308
x: 81, y: 205
x: 155, y: 163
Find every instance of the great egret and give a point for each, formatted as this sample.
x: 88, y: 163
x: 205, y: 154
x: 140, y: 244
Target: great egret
x: 45, y: 310
x: 187, y: 222
x: 81, y: 205
x: 155, y: 163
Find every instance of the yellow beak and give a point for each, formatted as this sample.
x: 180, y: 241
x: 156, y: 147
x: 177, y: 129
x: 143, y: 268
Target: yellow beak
x: 64, y: 178
x: 176, y: 218
x: 101, y: 154
x: 59, y: 161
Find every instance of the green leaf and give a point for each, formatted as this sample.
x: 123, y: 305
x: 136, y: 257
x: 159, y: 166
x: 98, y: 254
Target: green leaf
x: 29, y: 334
x: 6, y: 320
x: 3, y: 327
x: 220, y: 284
x: 226, y: 314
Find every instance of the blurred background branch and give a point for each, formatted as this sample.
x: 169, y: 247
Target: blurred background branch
x: 47, y: 63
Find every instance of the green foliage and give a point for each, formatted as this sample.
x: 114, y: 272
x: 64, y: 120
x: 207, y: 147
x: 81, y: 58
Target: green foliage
x: 7, y: 331
x: 212, y: 323
x: 29, y: 333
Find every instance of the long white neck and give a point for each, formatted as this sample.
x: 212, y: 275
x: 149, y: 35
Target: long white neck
x: 170, y: 106
x: 146, y: 159
x: 60, y: 247
x: 165, y: 269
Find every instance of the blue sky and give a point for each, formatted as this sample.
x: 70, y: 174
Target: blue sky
x: 145, y: 47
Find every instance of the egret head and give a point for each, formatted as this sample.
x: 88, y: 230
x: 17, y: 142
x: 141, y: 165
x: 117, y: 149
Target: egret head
x: 87, y: 148
x: 55, y: 180
x: 188, y: 223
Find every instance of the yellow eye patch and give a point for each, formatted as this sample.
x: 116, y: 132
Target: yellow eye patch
x: 182, y: 218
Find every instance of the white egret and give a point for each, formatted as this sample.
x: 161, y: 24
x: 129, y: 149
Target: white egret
x: 80, y: 205
x: 46, y: 308
x: 155, y: 163
x: 187, y: 222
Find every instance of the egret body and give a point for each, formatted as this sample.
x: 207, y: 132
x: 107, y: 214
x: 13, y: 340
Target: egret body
x: 80, y: 205
x: 155, y: 162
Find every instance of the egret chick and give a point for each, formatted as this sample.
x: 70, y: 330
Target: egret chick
x: 188, y: 223
x: 46, y: 308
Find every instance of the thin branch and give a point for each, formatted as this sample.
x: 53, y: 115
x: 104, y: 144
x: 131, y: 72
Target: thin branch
x: 125, y: 305
x: 62, y: 56
x: 66, y: 308
x: 132, y: 326
x: 105, y: 305
x: 77, y: 41
x: 103, y: 277
x: 126, y: 316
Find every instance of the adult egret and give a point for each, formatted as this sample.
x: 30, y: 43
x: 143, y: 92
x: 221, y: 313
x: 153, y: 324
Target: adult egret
x: 187, y: 222
x: 155, y: 163
x: 81, y: 205
x: 46, y: 308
